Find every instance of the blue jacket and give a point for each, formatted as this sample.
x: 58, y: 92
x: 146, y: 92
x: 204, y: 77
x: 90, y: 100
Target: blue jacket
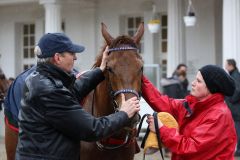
x: 13, y: 98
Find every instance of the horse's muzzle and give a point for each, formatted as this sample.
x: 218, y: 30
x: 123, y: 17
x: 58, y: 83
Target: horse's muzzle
x: 135, y: 120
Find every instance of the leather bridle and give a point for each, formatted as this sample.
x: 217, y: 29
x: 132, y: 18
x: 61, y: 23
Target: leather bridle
x: 126, y: 90
x: 130, y: 132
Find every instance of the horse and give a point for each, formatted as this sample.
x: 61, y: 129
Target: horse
x: 4, y: 85
x: 122, y: 75
x: 3, y: 88
x: 10, y: 136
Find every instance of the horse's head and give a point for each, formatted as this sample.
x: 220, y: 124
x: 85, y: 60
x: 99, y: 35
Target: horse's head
x: 124, y: 67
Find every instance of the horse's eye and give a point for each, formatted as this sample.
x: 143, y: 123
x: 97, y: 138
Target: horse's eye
x: 109, y: 70
x: 141, y: 70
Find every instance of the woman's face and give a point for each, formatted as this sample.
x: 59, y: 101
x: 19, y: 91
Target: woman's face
x: 199, y: 88
x: 228, y: 67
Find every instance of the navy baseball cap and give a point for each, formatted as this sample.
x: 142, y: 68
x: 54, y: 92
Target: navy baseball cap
x: 52, y: 43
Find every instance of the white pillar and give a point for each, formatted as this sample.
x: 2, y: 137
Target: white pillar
x: 175, y: 36
x: 52, y: 15
x: 231, y: 30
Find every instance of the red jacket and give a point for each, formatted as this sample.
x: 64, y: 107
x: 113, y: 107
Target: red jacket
x: 208, y: 134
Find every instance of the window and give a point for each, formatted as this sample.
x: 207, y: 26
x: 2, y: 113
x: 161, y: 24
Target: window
x: 132, y: 26
x: 28, y: 45
x: 164, y: 34
x: 164, y: 44
x: 164, y: 68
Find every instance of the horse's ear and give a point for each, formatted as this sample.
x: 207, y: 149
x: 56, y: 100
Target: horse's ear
x: 138, y: 35
x: 108, y: 38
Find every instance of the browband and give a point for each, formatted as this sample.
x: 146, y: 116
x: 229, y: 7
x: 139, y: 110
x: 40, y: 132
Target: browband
x: 121, y: 49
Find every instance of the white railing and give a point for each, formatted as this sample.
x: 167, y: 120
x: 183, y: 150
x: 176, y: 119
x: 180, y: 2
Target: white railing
x: 145, y: 108
x: 156, y: 67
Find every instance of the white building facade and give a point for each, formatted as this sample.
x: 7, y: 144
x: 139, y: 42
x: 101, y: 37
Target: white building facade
x: 214, y: 38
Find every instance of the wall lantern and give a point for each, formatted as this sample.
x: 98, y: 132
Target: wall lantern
x: 154, y: 23
x: 190, y: 19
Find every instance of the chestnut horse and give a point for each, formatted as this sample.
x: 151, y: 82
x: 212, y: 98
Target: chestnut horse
x: 3, y: 87
x: 123, y: 75
x: 4, y: 84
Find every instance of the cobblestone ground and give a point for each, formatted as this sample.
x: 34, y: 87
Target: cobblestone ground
x: 138, y: 156
x: 2, y: 149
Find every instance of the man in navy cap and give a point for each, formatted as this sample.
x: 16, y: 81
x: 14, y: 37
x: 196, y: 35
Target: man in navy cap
x: 51, y: 121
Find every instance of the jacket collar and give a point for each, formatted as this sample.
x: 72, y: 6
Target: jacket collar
x: 233, y: 71
x: 198, y: 106
x: 51, y: 70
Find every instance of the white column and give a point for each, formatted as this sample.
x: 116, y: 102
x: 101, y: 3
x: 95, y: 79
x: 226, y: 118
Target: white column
x: 52, y: 15
x: 231, y: 30
x: 175, y: 36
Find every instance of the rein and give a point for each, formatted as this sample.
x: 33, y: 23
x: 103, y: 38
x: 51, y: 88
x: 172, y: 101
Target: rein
x: 147, y: 133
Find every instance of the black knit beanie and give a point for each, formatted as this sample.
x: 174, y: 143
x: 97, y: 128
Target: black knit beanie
x: 217, y: 80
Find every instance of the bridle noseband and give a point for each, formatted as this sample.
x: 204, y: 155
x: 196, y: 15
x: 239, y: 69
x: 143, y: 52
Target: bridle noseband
x: 127, y: 91
x: 114, y: 94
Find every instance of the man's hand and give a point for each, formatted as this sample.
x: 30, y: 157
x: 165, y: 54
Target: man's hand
x: 131, y: 106
x: 104, y: 59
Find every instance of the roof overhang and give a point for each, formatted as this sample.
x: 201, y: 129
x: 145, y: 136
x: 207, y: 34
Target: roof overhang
x: 13, y: 2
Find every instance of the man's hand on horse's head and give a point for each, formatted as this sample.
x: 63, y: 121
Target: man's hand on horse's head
x: 131, y: 106
x: 104, y: 59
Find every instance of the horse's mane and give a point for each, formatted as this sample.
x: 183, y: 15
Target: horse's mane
x: 3, y: 86
x: 98, y: 59
x: 119, y: 41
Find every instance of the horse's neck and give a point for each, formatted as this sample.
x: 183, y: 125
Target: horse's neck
x: 98, y: 102
x: 103, y: 104
x: 3, y: 86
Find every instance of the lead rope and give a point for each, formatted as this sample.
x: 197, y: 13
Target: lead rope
x: 140, y: 123
x: 147, y: 132
x: 158, y: 133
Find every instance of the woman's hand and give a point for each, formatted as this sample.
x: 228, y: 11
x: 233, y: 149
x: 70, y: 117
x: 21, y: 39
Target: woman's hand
x: 151, y: 123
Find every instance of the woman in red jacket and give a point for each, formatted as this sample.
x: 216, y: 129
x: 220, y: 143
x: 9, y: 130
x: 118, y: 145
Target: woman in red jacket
x: 206, y: 128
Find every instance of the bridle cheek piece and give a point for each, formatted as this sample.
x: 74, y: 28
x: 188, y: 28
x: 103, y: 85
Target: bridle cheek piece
x: 114, y: 94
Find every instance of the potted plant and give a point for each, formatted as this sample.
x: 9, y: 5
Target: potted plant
x: 190, y: 19
x: 154, y: 25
